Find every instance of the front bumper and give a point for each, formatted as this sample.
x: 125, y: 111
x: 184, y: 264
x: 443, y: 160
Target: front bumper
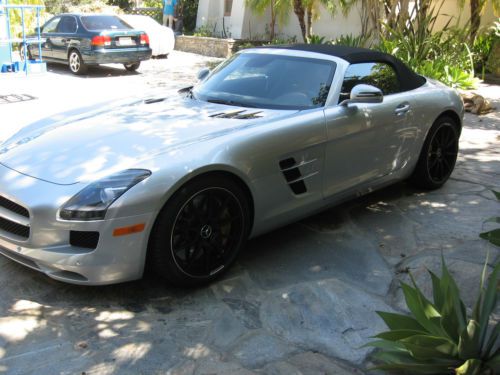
x: 47, y: 248
x: 117, y: 56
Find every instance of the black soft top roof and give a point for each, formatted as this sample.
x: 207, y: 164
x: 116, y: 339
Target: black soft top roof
x: 409, y: 79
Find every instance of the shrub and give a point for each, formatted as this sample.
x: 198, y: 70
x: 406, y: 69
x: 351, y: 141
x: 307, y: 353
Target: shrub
x: 351, y: 40
x: 439, y: 337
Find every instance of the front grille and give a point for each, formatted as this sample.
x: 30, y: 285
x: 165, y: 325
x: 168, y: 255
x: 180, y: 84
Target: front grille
x: 87, y: 240
x: 14, y: 228
x: 14, y: 207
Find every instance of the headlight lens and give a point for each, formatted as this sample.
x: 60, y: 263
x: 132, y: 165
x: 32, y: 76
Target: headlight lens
x: 94, y: 200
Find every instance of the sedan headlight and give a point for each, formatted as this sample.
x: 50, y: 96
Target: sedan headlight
x: 94, y: 200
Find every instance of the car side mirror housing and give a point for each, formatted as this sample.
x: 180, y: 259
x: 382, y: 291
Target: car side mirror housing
x: 203, y: 73
x: 38, y: 30
x: 364, y: 94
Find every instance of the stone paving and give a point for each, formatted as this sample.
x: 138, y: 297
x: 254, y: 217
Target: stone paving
x: 300, y: 300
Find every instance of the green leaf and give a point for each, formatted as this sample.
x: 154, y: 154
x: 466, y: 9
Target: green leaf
x: 403, y: 362
x: 469, y: 346
x: 493, y: 236
x: 398, y: 321
x: 470, y: 367
x: 421, y: 309
x: 495, y: 332
x: 398, y: 334
x: 424, y: 347
x: 453, y: 302
x: 497, y: 194
x: 387, y: 345
x: 489, y: 302
x: 493, y: 220
x: 437, y: 291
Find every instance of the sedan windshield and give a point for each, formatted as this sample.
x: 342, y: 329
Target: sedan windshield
x: 98, y: 23
x: 269, y: 81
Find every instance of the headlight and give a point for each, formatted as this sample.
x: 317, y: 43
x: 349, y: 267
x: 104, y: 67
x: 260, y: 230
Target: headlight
x: 93, y: 201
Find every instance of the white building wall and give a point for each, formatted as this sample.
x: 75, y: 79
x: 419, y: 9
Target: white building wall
x: 462, y: 16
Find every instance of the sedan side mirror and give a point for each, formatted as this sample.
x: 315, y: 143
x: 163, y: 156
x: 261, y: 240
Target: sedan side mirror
x: 38, y: 30
x: 364, y: 94
x: 203, y: 73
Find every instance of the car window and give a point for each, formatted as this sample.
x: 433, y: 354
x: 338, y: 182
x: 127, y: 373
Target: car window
x: 51, y: 26
x: 269, y: 81
x: 67, y: 25
x: 380, y: 75
x: 97, y: 23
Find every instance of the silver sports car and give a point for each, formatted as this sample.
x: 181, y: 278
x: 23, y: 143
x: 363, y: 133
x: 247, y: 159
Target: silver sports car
x: 272, y: 135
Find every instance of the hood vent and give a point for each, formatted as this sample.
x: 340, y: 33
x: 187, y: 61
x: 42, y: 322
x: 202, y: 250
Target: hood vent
x: 154, y: 100
x: 239, y: 115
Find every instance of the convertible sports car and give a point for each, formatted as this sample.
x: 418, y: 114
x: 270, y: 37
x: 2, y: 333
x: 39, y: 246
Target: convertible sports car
x: 178, y: 184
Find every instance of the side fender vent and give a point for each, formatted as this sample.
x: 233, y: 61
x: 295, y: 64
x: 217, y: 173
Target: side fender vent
x: 293, y: 176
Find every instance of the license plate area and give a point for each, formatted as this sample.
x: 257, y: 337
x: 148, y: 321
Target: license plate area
x: 126, y: 41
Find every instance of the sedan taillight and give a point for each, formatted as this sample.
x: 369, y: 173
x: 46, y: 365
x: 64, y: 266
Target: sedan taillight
x: 101, y: 41
x: 144, y: 39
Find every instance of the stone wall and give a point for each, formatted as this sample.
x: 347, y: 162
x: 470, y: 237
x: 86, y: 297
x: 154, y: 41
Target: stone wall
x: 214, y: 47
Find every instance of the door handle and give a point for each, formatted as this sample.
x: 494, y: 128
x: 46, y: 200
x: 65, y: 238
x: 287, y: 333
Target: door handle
x: 401, y: 109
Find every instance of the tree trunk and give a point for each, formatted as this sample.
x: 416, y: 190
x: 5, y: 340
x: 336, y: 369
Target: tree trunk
x: 273, y: 20
x: 309, y: 20
x: 475, y: 17
x: 298, y: 9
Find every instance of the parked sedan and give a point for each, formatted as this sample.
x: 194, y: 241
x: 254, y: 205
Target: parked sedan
x: 272, y: 135
x: 81, y: 40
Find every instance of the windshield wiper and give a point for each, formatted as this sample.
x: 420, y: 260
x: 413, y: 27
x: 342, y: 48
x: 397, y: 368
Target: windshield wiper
x: 231, y: 102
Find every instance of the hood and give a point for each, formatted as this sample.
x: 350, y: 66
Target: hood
x: 82, y: 147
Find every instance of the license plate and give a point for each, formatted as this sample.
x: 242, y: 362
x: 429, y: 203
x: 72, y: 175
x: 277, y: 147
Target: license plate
x: 126, y: 41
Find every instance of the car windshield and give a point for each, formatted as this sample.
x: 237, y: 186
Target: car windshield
x: 97, y: 23
x: 272, y: 81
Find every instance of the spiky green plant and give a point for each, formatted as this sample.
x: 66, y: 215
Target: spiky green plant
x: 493, y: 235
x: 439, y: 337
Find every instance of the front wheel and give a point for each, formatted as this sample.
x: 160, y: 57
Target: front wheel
x: 199, y: 232
x: 438, y: 156
x: 24, y: 52
x: 76, y: 64
x: 132, y: 67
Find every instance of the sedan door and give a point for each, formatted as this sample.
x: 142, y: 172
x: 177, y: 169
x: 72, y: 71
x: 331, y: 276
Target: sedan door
x: 63, y: 37
x: 368, y: 141
x: 48, y: 32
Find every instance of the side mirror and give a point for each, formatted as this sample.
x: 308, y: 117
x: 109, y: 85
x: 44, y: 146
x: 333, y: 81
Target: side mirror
x: 364, y: 94
x: 203, y: 73
x: 38, y: 30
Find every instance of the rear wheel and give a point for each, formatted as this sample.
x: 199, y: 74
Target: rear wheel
x: 132, y: 67
x: 24, y: 51
x: 438, y: 156
x: 75, y: 62
x: 199, y: 232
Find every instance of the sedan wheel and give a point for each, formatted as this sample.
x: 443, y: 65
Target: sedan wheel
x: 132, y: 67
x: 439, y: 154
x: 200, y: 231
x: 75, y: 62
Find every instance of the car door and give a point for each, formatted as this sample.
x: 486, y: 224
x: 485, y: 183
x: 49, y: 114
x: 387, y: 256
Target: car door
x: 47, y: 34
x: 367, y: 141
x: 61, y: 40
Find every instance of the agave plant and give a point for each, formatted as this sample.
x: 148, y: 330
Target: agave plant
x: 493, y: 235
x: 439, y: 337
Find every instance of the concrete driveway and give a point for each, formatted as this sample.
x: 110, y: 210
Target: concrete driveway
x: 300, y: 300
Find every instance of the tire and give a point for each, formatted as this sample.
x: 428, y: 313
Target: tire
x: 199, y: 232
x: 438, y: 156
x: 76, y: 63
x: 132, y: 67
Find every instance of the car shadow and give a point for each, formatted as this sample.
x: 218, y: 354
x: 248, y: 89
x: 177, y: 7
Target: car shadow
x: 100, y: 71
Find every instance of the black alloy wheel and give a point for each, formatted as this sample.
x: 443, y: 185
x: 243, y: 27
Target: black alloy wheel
x: 199, y: 232
x: 438, y: 156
